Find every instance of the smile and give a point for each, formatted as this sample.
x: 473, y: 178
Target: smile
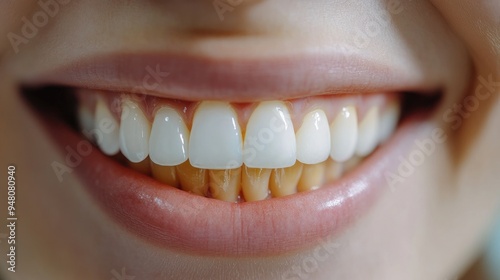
x: 192, y: 167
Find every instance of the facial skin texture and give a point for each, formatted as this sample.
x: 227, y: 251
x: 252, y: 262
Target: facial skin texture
x: 431, y: 226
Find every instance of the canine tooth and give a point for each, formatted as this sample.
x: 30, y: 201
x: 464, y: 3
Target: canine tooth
x: 313, y: 138
x: 108, y: 128
x: 225, y: 184
x: 284, y: 180
x: 193, y: 179
x: 313, y: 176
x: 168, y: 143
x: 216, y: 141
x: 344, y: 134
x: 368, y: 133
x: 333, y: 170
x: 134, y: 132
x: 389, y: 120
x: 143, y: 167
x: 165, y: 174
x: 270, y: 137
x: 255, y: 183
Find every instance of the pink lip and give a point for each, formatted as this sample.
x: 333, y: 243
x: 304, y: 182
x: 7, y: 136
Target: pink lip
x: 243, y: 80
x: 177, y: 220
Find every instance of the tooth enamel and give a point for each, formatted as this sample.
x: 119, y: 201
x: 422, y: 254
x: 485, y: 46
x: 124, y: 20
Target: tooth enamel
x: 255, y: 183
x: 134, y: 132
x: 368, y: 133
x: 351, y: 163
x: 344, y: 134
x: 216, y: 141
x: 388, y: 121
x: 270, y: 137
x: 333, y: 170
x: 313, y: 138
x: 284, y: 180
x: 225, y: 185
x: 143, y: 167
x: 165, y: 174
x: 313, y: 176
x: 193, y: 179
x: 85, y: 119
x: 108, y: 129
x: 168, y: 143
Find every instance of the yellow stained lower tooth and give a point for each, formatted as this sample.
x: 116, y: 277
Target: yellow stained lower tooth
x: 313, y: 176
x: 165, y: 174
x: 284, y: 180
x: 254, y: 183
x: 142, y: 167
x: 333, y: 170
x: 193, y: 179
x: 352, y: 163
x: 225, y: 184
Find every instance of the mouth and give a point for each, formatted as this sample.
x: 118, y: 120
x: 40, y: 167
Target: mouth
x: 218, y: 163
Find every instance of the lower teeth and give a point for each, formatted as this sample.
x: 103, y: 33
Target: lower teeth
x: 244, y: 183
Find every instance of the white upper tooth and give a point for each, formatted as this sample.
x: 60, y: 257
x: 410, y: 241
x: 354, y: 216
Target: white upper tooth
x: 107, y: 129
x: 134, y: 132
x: 216, y: 140
x: 344, y: 134
x: 168, y: 143
x: 270, y: 137
x: 388, y: 121
x: 368, y: 133
x: 313, y: 138
x: 85, y: 119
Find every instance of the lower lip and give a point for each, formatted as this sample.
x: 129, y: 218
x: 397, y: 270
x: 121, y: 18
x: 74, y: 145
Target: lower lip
x: 177, y: 220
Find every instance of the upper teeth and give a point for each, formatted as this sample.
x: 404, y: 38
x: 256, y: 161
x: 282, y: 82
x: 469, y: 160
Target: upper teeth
x: 134, y: 132
x: 217, y: 141
x: 270, y: 137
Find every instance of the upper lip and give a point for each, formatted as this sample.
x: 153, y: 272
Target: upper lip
x: 197, y: 78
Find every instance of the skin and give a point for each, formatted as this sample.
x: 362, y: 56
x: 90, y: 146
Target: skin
x: 431, y: 226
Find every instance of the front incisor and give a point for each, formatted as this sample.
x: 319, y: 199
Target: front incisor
x: 313, y: 177
x: 225, y: 184
x: 142, y: 167
x: 255, y: 183
x: 193, y: 179
x: 165, y: 174
x: 284, y: 180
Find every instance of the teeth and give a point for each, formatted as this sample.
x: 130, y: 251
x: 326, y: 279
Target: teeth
x: 313, y: 176
x: 388, y: 121
x: 255, y: 183
x: 344, y: 134
x: 225, y: 185
x: 134, y: 132
x: 193, y: 179
x: 351, y: 163
x: 284, y: 180
x: 168, y: 143
x: 143, y: 167
x: 313, y: 138
x: 165, y: 174
x: 85, y: 119
x: 108, y: 128
x: 270, y: 137
x: 368, y: 133
x: 333, y: 170
x: 216, y: 141
x: 213, y: 159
